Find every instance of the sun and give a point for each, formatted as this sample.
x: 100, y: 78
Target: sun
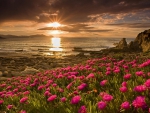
x: 54, y: 24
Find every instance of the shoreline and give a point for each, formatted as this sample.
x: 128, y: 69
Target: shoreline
x: 23, y: 64
x: 18, y: 64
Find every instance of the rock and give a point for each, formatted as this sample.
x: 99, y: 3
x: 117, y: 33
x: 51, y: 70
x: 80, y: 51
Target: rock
x: 1, y: 74
x: 41, y: 70
x: 122, y: 44
x: 14, y: 73
x: 81, y: 54
x: 3, y: 79
x: 141, y: 42
x: 42, y: 66
x: 12, y: 61
x: 29, y: 70
x: 143, y: 39
x: 5, y: 73
x: 134, y: 46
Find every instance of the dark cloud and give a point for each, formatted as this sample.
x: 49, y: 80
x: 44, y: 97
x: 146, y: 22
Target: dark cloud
x: 132, y: 25
x: 77, y: 28
x: 67, y: 11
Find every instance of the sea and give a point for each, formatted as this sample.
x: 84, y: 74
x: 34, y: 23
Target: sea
x: 56, y: 45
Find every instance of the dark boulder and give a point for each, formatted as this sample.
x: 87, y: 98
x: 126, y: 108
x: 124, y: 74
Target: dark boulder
x: 122, y: 44
x: 134, y: 46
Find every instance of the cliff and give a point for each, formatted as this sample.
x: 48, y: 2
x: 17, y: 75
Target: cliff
x: 141, y: 43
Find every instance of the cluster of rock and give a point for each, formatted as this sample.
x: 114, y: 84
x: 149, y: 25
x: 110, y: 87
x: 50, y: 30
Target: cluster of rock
x: 141, y: 43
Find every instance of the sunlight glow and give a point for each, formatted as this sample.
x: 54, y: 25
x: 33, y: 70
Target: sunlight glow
x: 54, y: 24
x: 56, y: 43
x: 55, y: 32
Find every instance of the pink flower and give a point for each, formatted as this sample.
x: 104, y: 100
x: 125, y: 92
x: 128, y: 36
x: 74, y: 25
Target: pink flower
x: 9, y: 87
x: 26, y: 92
x: 102, y: 83
x: 76, y: 92
x: 147, y: 83
x: 51, y: 98
x: 69, y: 85
x: 15, y: 90
x: 41, y: 87
x: 81, y: 77
x: 60, y: 90
x: 82, y: 86
x: 108, y: 69
x: 10, y: 106
x: 127, y: 76
x: 139, y: 102
x: 48, y: 89
x: 3, y: 85
x: 1, y: 102
x: 63, y: 99
x: 75, y: 99
x: 107, y: 97
x: 91, y: 75
x: 139, y: 73
x: 140, y: 88
x: 123, y: 89
x: 124, y: 84
x: 148, y: 73
x: 47, y: 93
x: 82, y: 109
x: 33, y: 84
x: 108, y: 72
x: 102, y: 94
x: 24, y: 88
x: 116, y: 71
x: 54, y: 84
x: 125, y: 67
x: 125, y: 105
x: 23, y: 100
x: 101, y: 105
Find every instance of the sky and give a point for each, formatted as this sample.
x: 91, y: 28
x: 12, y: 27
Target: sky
x: 78, y: 18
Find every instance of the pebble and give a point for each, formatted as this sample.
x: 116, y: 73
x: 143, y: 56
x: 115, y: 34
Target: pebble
x: 29, y: 70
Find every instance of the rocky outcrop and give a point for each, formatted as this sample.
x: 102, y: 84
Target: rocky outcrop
x: 122, y: 44
x: 140, y: 44
x: 143, y: 40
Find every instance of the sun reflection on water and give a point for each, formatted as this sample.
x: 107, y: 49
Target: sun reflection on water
x: 56, y: 44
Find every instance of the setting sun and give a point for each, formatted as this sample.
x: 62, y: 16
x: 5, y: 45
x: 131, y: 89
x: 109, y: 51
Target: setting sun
x: 54, y: 24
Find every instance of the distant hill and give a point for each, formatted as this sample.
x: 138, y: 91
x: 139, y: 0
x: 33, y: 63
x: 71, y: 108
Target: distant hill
x: 14, y: 36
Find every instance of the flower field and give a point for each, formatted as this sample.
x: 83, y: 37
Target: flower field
x: 102, y: 85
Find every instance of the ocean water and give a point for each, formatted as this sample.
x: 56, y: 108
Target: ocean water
x: 56, y: 45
